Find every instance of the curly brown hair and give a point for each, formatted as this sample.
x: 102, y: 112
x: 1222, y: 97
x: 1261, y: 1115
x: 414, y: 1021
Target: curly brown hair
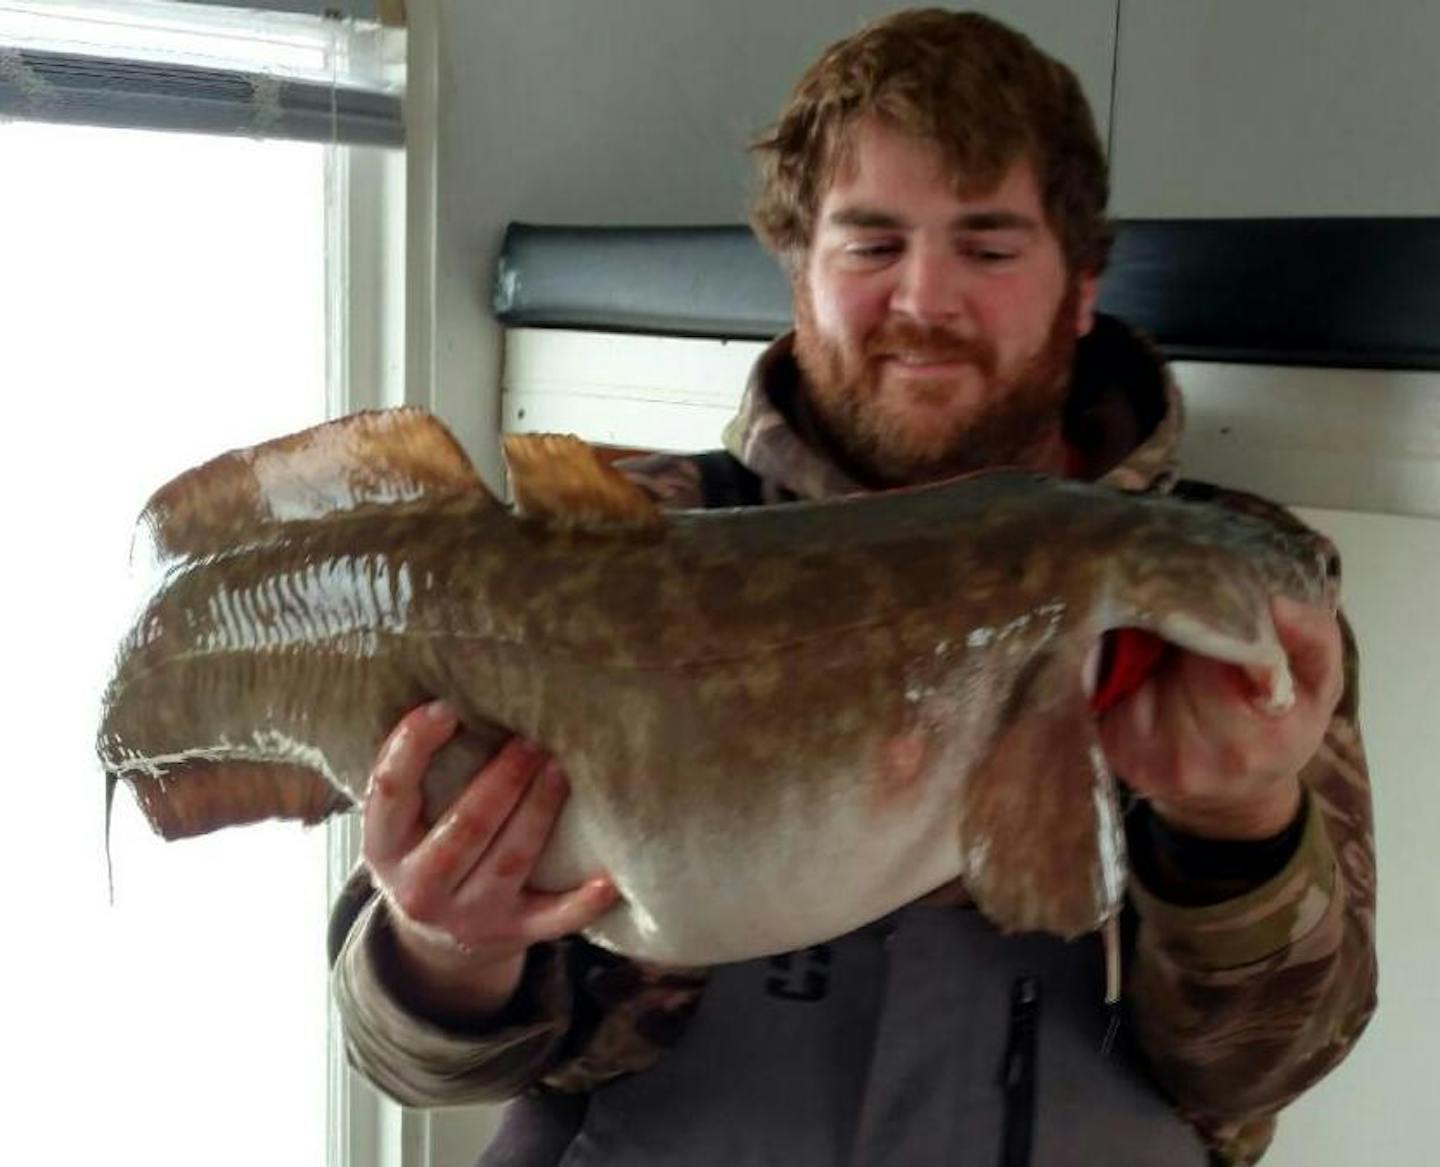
x: 979, y: 90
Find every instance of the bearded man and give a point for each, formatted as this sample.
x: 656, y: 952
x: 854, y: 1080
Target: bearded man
x: 936, y: 192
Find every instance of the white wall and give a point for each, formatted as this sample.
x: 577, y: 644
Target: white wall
x: 1375, y: 1108
x: 1277, y: 107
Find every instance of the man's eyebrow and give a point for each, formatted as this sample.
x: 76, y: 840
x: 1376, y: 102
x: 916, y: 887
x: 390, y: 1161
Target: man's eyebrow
x: 994, y: 221
x: 873, y: 219
x: 866, y: 218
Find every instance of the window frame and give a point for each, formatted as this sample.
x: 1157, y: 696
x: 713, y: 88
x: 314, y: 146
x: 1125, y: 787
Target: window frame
x: 380, y: 264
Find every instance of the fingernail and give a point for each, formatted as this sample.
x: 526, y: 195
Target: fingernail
x: 441, y: 712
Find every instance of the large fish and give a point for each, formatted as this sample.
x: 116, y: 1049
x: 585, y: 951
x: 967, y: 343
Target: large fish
x: 778, y: 723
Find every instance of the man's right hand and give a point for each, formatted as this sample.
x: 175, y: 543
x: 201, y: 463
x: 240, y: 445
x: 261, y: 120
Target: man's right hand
x: 460, y: 910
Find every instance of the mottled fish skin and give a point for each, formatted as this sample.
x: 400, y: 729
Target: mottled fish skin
x: 830, y: 697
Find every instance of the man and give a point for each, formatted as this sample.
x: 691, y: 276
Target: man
x: 936, y: 192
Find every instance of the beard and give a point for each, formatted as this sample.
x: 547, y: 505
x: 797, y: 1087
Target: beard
x: 926, y: 433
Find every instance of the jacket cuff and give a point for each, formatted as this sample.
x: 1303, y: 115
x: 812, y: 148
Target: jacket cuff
x: 417, y: 1061
x: 1193, y: 872
x: 1249, y: 927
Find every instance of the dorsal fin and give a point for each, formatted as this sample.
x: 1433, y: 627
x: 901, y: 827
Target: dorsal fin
x: 377, y: 457
x: 561, y: 481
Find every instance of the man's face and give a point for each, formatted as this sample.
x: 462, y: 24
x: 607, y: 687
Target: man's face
x: 935, y: 331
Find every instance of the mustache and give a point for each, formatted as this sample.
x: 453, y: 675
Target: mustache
x: 901, y: 337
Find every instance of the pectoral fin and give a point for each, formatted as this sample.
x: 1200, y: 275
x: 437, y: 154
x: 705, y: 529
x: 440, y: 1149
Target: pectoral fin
x: 1041, y: 836
x: 372, y: 458
x: 562, y: 482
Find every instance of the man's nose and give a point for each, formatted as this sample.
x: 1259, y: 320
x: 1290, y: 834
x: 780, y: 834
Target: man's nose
x: 933, y: 287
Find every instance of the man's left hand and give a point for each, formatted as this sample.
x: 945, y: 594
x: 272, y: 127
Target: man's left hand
x: 1197, y: 741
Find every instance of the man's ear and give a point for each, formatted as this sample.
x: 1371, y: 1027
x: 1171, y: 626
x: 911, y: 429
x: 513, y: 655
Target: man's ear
x: 1087, y: 293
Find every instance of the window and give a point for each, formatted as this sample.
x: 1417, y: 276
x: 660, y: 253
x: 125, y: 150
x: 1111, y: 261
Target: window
x: 163, y: 297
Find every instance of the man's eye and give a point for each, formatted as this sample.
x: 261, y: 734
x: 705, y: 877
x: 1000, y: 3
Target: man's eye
x: 872, y: 250
x: 989, y: 254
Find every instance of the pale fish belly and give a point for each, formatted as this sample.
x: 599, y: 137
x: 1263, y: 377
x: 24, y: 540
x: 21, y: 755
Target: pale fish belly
x: 795, y: 873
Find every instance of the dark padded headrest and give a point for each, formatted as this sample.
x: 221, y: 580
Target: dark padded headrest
x: 1354, y: 293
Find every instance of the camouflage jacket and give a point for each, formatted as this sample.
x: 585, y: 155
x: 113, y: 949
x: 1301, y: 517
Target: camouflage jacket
x: 1242, y: 993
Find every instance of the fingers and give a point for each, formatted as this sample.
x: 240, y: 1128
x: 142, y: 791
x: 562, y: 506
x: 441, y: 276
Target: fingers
x: 1192, y: 728
x: 469, y: 829
x: 502, y: 873
x: 1311, y: 638
x: 1199, y: 740
x: 517, y: 847
x: 462, y: 882
x: 551, y: 916
x: 1139, y: 739
x: 495, y: 888
x: 391, y: 821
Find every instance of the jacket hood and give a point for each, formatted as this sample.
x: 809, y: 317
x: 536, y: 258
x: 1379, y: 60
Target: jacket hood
x: 1123, y: 417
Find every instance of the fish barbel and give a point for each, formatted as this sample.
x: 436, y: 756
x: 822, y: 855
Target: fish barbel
x: 778, y: 723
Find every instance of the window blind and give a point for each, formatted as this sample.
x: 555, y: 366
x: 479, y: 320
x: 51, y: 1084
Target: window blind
x: 158, y: 64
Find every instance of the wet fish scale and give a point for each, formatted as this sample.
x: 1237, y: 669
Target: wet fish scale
x: 778, y: 723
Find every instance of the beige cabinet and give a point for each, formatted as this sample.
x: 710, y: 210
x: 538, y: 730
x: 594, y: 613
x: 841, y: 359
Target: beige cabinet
x: 1277, y: 107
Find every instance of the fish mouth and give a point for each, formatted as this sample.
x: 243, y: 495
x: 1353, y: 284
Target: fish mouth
x: 1118, y: 663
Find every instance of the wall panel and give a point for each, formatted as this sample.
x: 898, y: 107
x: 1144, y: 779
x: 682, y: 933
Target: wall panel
x: 1279, y: 107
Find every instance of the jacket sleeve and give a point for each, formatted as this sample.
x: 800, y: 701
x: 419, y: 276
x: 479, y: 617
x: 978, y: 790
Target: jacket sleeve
x: 418, y: 1061
x: 580, y: 1017
x: 1242, y: 1005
